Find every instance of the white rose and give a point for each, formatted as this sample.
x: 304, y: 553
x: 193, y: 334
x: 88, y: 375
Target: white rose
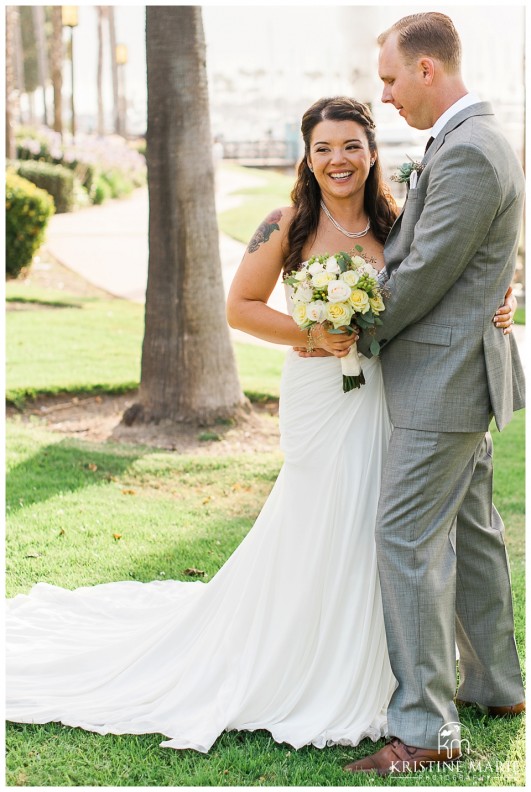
x: 304, y: 293
x: 331, y: 265
x: 358, y: 261
x: 338, y: 291
x: 300, y: 275
x: 316, y: 267
x: 377, y: 304
x: 322, y: 279
x: 316, y: 311
x: 339, y: 314
x: 368, y: 269
x: 300, y: 316
x: 350, y: 277
x: 359, y: 300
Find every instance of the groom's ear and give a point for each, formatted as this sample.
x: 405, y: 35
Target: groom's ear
x: 427, y: 67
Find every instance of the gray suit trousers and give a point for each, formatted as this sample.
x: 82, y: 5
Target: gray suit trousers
x: 445, y: 577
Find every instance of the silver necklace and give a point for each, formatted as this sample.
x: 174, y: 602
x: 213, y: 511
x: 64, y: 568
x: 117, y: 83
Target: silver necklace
x: 349, y: 234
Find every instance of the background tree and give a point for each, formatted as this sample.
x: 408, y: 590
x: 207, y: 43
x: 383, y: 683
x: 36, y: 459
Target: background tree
x: 18, y: 58
x: 188, y: 365
x: 114, y: 70
x: 29, y: 46
x: 10, y: 83
x: 56, y: 59
x: 39, y: 28
x: 101, y: 13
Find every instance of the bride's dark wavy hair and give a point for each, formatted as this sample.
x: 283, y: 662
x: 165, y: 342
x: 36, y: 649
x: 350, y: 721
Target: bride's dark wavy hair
x: 306, y: 194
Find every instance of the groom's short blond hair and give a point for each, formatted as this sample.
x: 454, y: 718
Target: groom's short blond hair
x: 430, y: 34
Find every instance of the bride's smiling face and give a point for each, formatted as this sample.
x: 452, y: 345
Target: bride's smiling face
x: 340, y: 157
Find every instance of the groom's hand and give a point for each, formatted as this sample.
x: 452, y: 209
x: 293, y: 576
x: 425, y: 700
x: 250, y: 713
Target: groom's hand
x: 504, y: 316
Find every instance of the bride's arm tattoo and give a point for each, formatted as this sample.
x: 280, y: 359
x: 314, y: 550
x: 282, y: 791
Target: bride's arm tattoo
x: 264, y: 230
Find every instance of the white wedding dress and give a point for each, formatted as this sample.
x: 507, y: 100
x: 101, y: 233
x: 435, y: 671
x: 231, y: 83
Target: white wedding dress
x: 288, y: 636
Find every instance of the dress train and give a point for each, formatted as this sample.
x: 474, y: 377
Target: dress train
x: 288, y: 636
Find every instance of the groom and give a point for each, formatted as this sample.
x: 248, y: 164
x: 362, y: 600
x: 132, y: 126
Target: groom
x: 450, y: 258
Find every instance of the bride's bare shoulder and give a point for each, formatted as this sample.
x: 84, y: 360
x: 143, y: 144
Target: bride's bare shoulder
x: 277, y: 220
x: 288, y: 213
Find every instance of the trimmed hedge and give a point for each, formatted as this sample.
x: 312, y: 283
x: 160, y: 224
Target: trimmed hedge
x: 105, y: 168
x: 28, y: 210
x: 55, y: 179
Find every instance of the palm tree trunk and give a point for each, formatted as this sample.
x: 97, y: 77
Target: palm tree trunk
x: 57, y: 68
x: 18, y: 52
x: 101, y: 13
x: 114, y: 70
x: 11, y: 150
x: 188, y: 365
x: 42, y: 58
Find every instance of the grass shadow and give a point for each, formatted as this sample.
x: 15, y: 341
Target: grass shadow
x: 33, y: 301
x: 64, y: 467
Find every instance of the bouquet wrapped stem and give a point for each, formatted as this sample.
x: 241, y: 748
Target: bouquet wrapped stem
x: 352, y: 371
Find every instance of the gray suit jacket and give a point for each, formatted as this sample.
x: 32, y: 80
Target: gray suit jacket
x: 451, y: 257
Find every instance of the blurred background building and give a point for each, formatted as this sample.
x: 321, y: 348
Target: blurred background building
x: 267, y: 64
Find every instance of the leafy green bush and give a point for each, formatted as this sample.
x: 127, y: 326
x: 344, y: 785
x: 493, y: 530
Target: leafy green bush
x: 55, y: 179
x: 101, y: 191
x: 33, y: 146
x: 90, y: 157
x: 119, y: 184
x: 28, y: 210
x: 81, y: 197
x: 86, y: 173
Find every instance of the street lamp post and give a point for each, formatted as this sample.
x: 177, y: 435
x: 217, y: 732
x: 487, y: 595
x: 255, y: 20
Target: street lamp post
x: 121, y: 61
x: 70, y: 20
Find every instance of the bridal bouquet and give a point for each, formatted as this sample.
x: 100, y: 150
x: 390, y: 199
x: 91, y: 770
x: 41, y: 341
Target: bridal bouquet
x: 339, y: 291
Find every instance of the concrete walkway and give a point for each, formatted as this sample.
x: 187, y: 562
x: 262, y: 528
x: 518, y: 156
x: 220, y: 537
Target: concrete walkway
x: 108, y: 246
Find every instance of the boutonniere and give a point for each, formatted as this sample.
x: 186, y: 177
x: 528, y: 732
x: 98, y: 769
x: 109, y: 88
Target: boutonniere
x: 406, y: 170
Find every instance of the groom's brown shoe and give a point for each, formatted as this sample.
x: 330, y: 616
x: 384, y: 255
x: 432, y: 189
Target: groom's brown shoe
x: 508, y: 711
x: 397, y: 757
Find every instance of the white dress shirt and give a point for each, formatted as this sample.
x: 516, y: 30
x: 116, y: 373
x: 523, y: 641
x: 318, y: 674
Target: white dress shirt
x: 466, y: 101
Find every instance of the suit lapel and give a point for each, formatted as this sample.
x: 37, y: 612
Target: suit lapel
x: 478, y: 109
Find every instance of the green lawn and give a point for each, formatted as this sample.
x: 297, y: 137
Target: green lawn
x: 93, y: 345
x: 66, y: 500
x: 80, y: 513
x: 519, y: 317
x: 242, y: 221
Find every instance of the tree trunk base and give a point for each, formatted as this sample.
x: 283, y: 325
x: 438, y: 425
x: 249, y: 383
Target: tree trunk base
x: 140, y: 413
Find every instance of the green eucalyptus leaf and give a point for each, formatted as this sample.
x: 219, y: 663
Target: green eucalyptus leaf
x: 375, y: 347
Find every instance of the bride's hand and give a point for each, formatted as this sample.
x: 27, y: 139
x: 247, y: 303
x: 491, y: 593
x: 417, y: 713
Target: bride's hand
x: 504, y: 316
x: 337, y: 344
x: 303, y: 352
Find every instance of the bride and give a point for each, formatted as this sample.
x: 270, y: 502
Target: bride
x: 289, y: 635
